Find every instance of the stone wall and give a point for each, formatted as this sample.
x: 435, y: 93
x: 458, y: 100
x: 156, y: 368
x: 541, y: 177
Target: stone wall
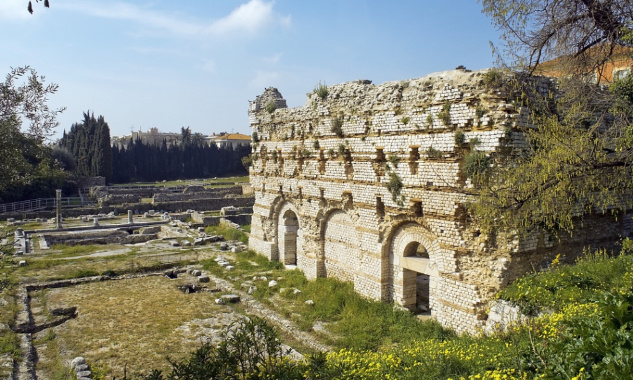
x: 202, y: 193
x: 205, y: 203
x: 367, y: 185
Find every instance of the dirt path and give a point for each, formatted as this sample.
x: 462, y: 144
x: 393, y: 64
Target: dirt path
x: 254, y: 307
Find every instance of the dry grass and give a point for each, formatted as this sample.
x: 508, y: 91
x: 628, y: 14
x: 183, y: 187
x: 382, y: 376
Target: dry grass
x: 134, y: 322
x: 127, y: 260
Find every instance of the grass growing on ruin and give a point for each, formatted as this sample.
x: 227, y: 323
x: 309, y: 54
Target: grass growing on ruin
x: 585, y: 331
x: 228, y: 233
x: 353, y: 321
x: 9, y: 341
x: 46, y: 268
x: 75, y: 250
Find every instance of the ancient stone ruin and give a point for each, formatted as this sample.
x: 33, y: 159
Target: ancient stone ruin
x: 366, y: 184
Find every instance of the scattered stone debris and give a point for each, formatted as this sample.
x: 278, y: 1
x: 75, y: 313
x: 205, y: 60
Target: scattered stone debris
x: 231, y: 298
x: 64, y: 311
x: 81, y: 369
x: 189, y: 288
x: 204, y: 278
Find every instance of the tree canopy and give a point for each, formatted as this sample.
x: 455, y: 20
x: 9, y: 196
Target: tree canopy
x: 587, y: 32
x: 27, y: 168
x: 578, y: 156
x: 89, y: 143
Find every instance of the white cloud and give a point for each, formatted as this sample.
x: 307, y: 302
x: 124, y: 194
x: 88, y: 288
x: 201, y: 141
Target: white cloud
x: 249, y: 18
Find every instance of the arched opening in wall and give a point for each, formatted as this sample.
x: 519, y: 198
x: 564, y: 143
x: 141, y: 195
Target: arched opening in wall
x: 287, y: 232
x: 416, y: 285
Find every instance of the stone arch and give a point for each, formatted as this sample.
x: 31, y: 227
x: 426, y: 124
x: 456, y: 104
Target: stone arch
x: 288, y: 232
x: 412, y: 267
x: 341, y: 246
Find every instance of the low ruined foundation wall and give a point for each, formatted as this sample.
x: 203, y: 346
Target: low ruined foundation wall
x: 220, y: 192
x: 204, y: 204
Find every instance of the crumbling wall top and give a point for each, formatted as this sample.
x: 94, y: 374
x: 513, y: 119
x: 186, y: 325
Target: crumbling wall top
x: 270, y: 98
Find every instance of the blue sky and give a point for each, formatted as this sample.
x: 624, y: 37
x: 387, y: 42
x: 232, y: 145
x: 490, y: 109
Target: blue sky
x: 197, y: 63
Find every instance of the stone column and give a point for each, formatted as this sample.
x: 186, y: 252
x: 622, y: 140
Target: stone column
x: 59, y: 208
x: 96, y: 222
x: 129, y: 217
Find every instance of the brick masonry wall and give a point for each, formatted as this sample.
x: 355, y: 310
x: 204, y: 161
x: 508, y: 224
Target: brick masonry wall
x: 329, y: 164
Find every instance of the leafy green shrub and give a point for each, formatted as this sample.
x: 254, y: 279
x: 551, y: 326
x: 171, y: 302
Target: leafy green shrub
x: 337, y: 126
x: 405, y: 120
x: 476, y: 163
x: 255, y: 137
x: 493, y: 78
x: 433, y: 153
x: 341, y: 149
x: 429, y: 119
x: 445, y: 114
x: 394, y: 160
x: 394, y: 186
x: 321, y: 90
x: 271, y: 107
x: 250, y: 349
x: 316, y: 145
x: 460, y: 138
x: 480, y: 112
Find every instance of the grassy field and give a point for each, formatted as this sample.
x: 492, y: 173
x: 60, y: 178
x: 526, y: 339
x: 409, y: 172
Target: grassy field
x: 139, y: 322
x: 581, y: 329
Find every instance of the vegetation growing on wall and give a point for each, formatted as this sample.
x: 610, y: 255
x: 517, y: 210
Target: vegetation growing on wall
x: 337, y: 126
x: 395, y: 186
x: 321, y: 90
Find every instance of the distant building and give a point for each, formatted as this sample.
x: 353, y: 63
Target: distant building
x: 230, y: 139
x: 617, y: 67
x: 151, y: 137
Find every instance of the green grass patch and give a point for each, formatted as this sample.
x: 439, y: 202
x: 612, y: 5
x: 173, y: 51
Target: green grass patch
x: 354, y: 321
x: 562, y: 284
x: 75, y: 250
x: 228, y: 233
